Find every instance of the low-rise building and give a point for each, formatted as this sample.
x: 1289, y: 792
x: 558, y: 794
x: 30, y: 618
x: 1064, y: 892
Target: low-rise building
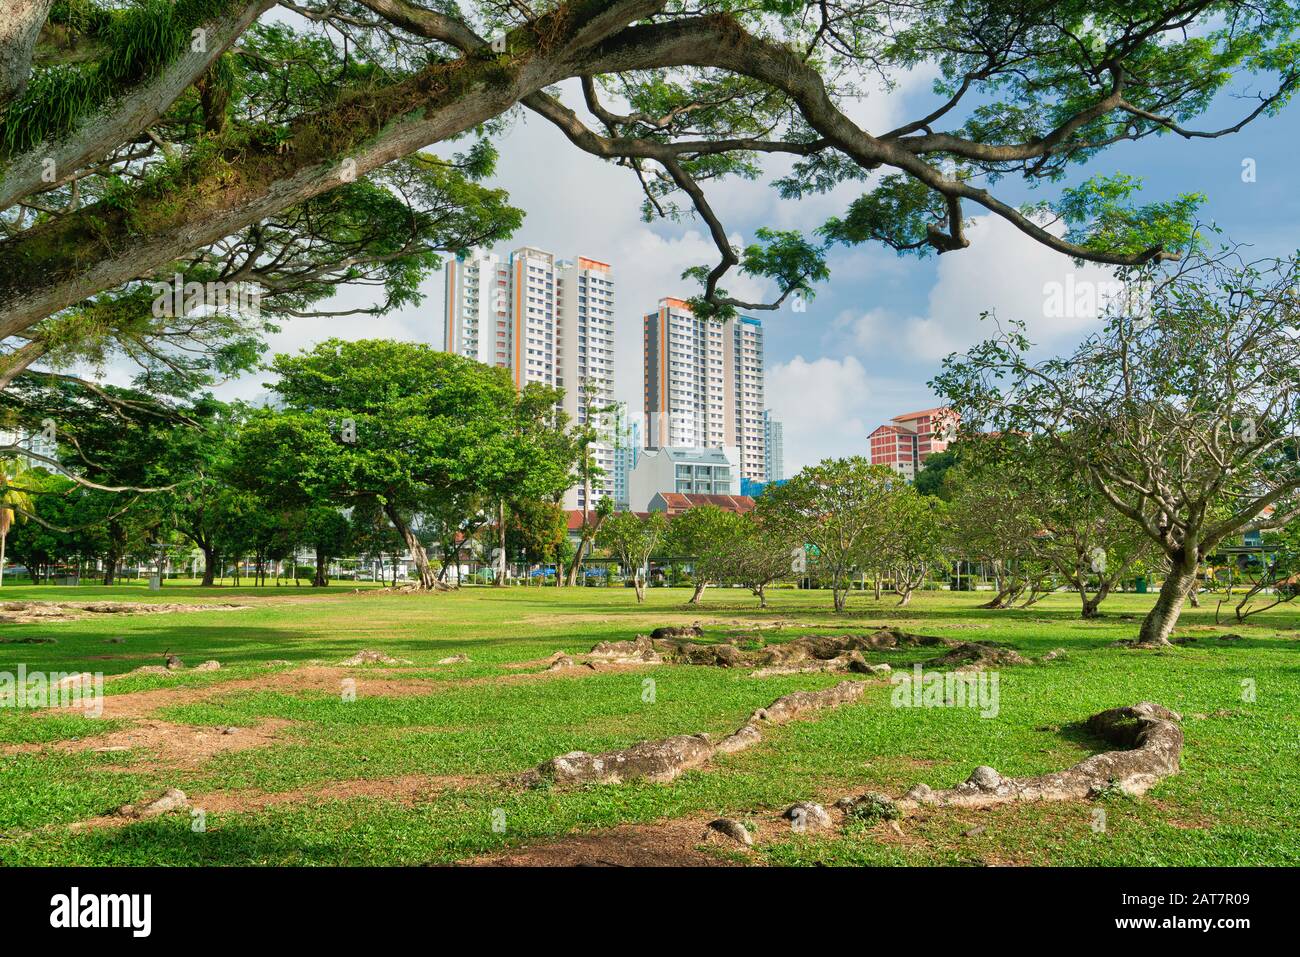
x: 691, y: 471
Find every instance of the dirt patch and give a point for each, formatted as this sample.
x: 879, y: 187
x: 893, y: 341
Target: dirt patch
x: 35, y: 612
x: 169, y: 745
x: 140, y: 704
x: 671, y: 844
x: 408, y: 790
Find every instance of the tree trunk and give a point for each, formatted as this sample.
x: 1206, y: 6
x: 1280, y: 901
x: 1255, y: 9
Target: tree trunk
x: 110, y: 566
x: 501, y: 544
x: 877, y: 583
x: 639, y: 584
x: 1162, y: 618
x: 906, y: 599
x: 209, y: 566
x: 3, y: 535
x: 321, y: 578
x: 422, y: 567
x: 761, y: 592
x: 699, y: 590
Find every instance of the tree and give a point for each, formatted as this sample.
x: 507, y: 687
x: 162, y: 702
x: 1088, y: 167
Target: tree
x: 1182, y: 414
x: 930, y: 479
x: 399, y: 425
x: 1271, y: 576
x: 839, y: 507
x: 16, y: 501
x: 147, y: 138
x: 327, y: 531
x: 702, y: 534
x: 913, y: 546
x: 754, y: 556
x: 1050, y: 520
x: 537, y: 528
x: 991, y: 519
x: 633, y: 540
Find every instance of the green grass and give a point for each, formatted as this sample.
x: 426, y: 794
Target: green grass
x: 1235, y: 802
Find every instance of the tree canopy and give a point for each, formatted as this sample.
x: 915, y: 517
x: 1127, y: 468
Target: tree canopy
x: 282, y: 146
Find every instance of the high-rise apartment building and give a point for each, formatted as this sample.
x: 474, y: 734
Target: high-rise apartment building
x: 908, y: 440
x: 773, y: 447
x: 625, y: 435
x: 704, y: 384
x: 545, y: 320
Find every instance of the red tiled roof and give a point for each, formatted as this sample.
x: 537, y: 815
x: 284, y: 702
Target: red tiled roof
x: 916, y: 415
x: 681, y: 501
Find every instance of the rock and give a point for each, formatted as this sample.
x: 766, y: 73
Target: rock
x: 1053, y: 655
x: 640, y: 650
x: 659, y: 761
x: 985, y: 778
x: 920, y: 793
x: 893, y: 828
x: 733, y: 829
x: 787, y: 706
x: 976, y: 831
x: 366, y: 657
x: 560, y: 663
x: 210, y: 665
x: 74, y: 681
x: 677, y: 631
x: 230, y: 730
x: 1231, y: 636
x: 977, y: 655
x: 152, y: 670
x: 453, y: 660
x: 872, y: 806
x: 174, y: 663
x: 172, y: 799
x: 720, y: 656
x: 808, y: 816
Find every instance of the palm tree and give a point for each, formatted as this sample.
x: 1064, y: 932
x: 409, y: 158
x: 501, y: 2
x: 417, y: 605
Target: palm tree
x: 14, y: 500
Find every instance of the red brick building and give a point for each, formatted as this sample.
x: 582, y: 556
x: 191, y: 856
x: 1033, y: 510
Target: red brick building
x: 908, y: 440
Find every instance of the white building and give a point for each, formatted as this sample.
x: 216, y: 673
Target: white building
x: 545, y: 320
x: 692, y: 471
x: 774, y: 447
x: 22, y: 443
x: 625, y: 435
x: 704, y: 384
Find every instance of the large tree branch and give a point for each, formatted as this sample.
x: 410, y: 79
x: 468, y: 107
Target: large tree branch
x: 127, y: 116
x: 99, y: 247
x: 20, y: 28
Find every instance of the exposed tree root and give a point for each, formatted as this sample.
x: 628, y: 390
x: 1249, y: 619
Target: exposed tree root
x: 668, y: 758
x: 1150, y: 742
x: 977, y: 655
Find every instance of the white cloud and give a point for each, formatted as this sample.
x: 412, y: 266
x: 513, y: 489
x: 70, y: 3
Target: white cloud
x: 826, y: 406
x: 1003, y: 271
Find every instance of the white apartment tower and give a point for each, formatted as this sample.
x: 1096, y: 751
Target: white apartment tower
x: 774, y: 447
x: 545, y: 320
x: 704, y: 384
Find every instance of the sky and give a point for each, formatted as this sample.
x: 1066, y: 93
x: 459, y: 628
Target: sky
x: 863, y: 350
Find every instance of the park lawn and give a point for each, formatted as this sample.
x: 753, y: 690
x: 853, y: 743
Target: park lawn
x: 336, y: 787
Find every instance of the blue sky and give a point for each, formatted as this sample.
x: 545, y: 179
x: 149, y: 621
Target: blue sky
x: 865, y: 347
